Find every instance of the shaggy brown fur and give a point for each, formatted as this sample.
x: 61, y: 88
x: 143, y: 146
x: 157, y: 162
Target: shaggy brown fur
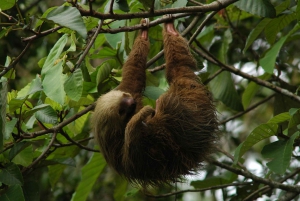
x: 148, y: 146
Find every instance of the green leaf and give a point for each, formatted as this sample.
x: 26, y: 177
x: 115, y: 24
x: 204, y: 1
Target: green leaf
x: 15, y: 104
x: 153, y: 92
x: 53, y: 83
x: 34, y: 110
x: 47, y: 115
x: 277, y: 25
x: 54, y: 54
x: 298, y: 11
x: 9, y: 127
x: 255, y: 32
x: 55, y: 172
x: 17, y: 148
x: 224, y: 90
x: 260, y: 133
x: 262, y: 8
x: 280, y: 118
x: 224, y: 178
x: 74, y: 85
x: 52, y: 76
x: 106, y: 52
x: 104, y: 70
x: 268, y: 61
x: 31, y: 191
x: 11, y: 175
x: 118, y: 5
x: 7, y: 4
x: 25, y: 157
x: 68, y: 17
x: 90, y: 173
x: 132, y: 192
x: 179, y: 4
x: 3, y: 100
x: 61, y: 161
x: 251, y: 90
x: 280, y: 152
x: 120, y: 189
x: 115, y: 39
x: 13, y: 193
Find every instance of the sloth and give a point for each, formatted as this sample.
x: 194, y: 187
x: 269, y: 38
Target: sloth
x: 152, y: 146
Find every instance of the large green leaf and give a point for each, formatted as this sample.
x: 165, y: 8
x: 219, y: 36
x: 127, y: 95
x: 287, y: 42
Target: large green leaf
x: 68, y: 17
x: 90, y: 173
x: 47, y: 115
x: 120, y: 189
x: 17, y: 148
x: 55, y: 172
x: 263, y: 24
x: 222, y: 86
x: 7, y: 4
x: 153, y: 92
x: 13, y: 193
x: 54, y: 54
x: 115, y: 39
x: 74, y: 85
x: 255, y: 32
x: 262, y: 8
x: 260, y: 133
x: 25, y: 157
x: 280, y: 118
x: 34, y: 110
x: 104, y: 70
x: 280, y: 152
x: 53, y: 83
x: 251, y: 90
x: 11, y: 175
x: 278, y: 24
x: 9, y: 127
x: 31, y: 190
x: 268, y: 61
x: 52, y: 76
x: 223, y: 89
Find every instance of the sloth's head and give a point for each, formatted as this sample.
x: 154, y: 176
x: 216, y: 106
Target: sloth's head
x: 113, y: 109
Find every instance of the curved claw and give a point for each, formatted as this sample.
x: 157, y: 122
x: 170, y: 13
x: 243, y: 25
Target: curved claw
x: 145, y: 22
x: 168, y: 16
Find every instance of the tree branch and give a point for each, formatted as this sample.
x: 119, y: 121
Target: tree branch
x: 271, y: 183
x: 211, y: 58
x: 199, y: 190
x: 215, y: 5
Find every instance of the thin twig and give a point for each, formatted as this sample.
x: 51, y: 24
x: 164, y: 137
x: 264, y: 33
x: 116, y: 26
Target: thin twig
x: 88, y: 47
x: 12, y: 65
x: 199, y: 190
x: 42, y: 155
x: 266, y: 189
x: 76, y: 143
x: 61, y: 125
x: 202, y: 25
x: 111, y: 7
x: 211, y: 58
x: 247, y: 110
x: 269, y: 182
x: 41, y: 34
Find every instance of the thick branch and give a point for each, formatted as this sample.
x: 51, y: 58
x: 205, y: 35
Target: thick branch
x: 216, y: 5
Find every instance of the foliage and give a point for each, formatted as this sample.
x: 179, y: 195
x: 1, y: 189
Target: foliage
x: 57, y: 57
